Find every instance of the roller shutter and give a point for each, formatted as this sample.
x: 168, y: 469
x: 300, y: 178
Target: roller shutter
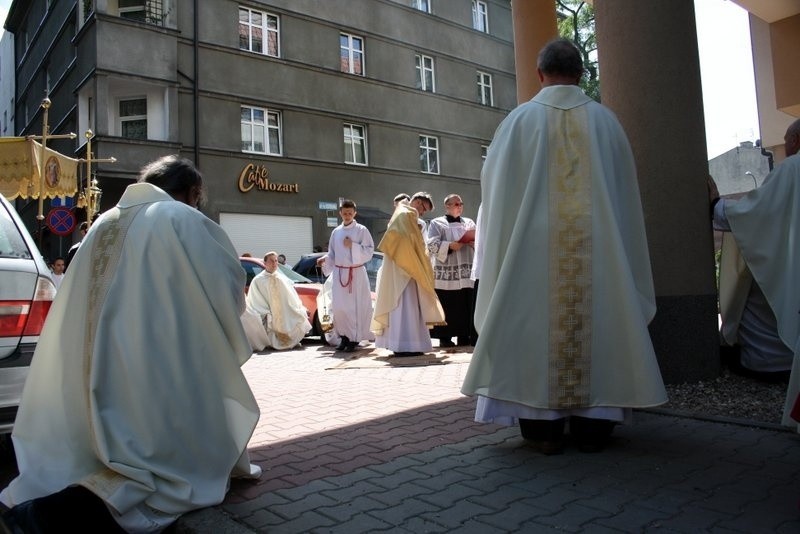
x: 258, y: 234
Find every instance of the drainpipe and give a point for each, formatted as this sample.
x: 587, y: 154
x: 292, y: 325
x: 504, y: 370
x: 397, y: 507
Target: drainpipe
x: 196, y: 89
x: 768, y: 154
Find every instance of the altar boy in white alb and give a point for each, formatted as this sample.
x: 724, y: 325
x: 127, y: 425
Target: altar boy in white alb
x: 566, y: 291
x: 349, y: 249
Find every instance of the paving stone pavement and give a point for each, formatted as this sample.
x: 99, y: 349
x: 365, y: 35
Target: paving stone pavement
x: 395, y: 449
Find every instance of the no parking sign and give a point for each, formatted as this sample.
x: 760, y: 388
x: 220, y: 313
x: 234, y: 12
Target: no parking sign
x: 61, y: 221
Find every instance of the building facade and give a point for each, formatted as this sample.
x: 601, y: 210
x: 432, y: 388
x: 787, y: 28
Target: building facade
x: 286, y: 106
x: 774, y: 35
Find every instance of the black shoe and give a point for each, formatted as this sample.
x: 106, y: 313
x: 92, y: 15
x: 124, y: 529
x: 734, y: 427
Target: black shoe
x: 402, y: 354
x: 464, y: 342
x: 343, y: 343
x: 590, y: 435
x: 351, y: 346
x: 547, y: 436
x: 446, y: 343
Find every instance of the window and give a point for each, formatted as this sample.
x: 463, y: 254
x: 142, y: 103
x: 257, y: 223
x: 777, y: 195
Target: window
x: 261, y: 131
x: 480, y: 16
x: 253, y: 26
x: 355, y: 144
x: 133, y: 118
x: 484, y: 150
x: 132, y: 9
x: 86, y: 9
x: 422, y: 5
x: 150, y: 11
x: 485, y: 89
x: 425, y: 78
x: 429, y: 154
x: 352, y: 54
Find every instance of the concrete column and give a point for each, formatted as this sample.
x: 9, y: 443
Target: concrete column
x: 534, y: 26
x: 650, y: 77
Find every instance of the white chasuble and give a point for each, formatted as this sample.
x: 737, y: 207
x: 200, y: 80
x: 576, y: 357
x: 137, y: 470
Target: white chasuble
x: 765, y: 224
x: 566, y: 291
x: 281, y: 319
x: 135, y: 390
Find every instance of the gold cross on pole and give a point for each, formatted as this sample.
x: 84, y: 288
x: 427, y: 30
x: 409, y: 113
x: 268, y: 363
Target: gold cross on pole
x: 44, y: 137
x: 90, y: 196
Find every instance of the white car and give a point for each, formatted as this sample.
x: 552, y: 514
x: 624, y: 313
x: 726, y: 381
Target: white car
x: 26, y: 293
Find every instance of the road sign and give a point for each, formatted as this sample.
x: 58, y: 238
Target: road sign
x: 60, y: 221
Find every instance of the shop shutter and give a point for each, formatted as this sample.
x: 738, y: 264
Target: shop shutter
x: 258, y: 234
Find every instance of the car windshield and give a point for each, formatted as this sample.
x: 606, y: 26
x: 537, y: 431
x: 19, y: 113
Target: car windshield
x: 296, y: 278
x: 12, y: 245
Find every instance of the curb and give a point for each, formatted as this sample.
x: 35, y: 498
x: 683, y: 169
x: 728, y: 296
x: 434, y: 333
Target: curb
x: 718, y: 419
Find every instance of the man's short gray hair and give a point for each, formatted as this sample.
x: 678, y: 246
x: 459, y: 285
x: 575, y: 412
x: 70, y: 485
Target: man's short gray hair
x: 560, y: 57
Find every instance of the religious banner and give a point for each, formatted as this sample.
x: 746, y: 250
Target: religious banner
x: 19, y: 170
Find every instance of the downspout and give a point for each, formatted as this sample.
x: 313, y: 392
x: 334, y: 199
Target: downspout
x: 196, y: 89
x: 768, y: 154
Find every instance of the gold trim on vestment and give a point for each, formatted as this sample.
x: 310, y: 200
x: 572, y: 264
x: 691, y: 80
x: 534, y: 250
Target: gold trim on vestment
x: 570, y: 251
x: 105, y: 257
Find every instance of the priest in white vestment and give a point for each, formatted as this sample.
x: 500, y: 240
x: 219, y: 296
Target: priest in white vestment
x: 135, y: 396
x: 406, y: 305
x: 566, y: 291
x: 349, y: 249
x: 765, y: 225
x: 275, y: 316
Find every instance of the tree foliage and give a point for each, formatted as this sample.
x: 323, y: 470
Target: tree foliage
x: 576, y: 23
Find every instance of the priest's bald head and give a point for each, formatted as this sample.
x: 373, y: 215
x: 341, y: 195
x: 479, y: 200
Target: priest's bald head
x: 792, y: 139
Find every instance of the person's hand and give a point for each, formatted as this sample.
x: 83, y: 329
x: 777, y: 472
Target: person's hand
x: 348, y: 242
x: 456, y: 245
x: 321, y: 260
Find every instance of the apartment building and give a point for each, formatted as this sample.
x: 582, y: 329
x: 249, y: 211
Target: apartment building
x: 286, y: 106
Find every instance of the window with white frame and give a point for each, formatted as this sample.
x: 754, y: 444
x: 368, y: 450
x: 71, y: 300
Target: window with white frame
x: 133, y: 118
x: 261, y: 131
x: 485, y: 89
x: 355, y: 144
x: 429, y: 154
x: 425, y: 74
x: 352, y: 54
x: 422, y: 5
x: 484, y: 151
x: 480, y: 16
x: 259, y: 32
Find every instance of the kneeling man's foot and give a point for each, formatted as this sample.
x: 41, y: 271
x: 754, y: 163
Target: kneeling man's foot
x: 408, y: 354
x: 351, y: 346
x: 343, y: 343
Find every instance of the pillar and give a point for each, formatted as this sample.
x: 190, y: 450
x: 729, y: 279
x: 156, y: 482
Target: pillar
x: 534, y: 26
x: 650, y: 77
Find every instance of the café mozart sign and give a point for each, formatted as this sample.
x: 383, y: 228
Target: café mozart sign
x: 257, y: 176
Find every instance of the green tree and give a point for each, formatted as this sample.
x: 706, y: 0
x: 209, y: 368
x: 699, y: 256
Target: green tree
x: 576, y: 23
